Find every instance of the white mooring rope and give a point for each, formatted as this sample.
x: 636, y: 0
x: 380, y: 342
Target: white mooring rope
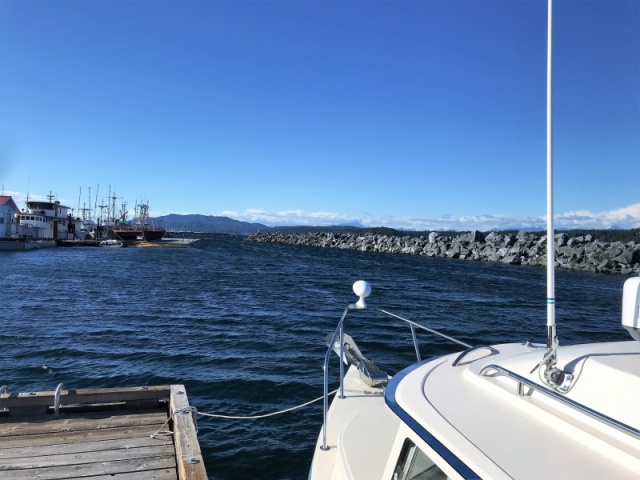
x: 255, y: 417
x: 194, y: 412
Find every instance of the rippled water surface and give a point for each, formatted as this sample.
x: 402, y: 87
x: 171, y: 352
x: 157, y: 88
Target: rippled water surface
x: 243, y: 326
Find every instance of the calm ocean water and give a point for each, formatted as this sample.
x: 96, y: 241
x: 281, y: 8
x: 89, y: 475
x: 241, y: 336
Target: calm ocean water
x: 243, y: 326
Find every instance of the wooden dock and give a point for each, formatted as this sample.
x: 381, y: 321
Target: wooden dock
x: 99, y: 433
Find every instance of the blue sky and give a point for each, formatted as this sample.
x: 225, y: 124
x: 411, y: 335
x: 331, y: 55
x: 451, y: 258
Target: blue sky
x: 409, y: 114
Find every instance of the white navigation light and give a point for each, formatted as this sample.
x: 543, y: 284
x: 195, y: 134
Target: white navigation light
x: 631, y: 306
x: 362, y: 289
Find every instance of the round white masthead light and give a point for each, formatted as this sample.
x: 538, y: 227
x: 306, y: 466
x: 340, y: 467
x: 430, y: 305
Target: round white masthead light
x: 362, y: 288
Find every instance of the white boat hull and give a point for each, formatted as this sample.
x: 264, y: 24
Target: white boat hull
x: 474, y: 421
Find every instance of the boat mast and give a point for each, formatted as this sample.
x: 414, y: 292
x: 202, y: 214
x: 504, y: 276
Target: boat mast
x: 95, y: 204
x: 552, y: 376
x: 551, y: 300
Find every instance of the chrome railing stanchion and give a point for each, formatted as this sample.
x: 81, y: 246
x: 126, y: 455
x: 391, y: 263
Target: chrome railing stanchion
x: 362, y: 290
x: 415, y: 341
x: 56, y: 400
x: 339, y: 330
x: 342, y: 358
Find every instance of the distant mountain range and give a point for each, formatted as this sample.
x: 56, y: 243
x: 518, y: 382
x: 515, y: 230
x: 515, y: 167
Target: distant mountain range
x: 214, y: 224
x: 209, y: 224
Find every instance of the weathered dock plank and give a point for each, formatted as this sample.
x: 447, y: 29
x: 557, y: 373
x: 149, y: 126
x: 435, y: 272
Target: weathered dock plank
x: 160, y: 474
x: 44, y: 400
x: 60, y: 448
x: 136, y: 469
x: 34, y: 440
x: 188, y: 455
x: 54, y: 458
x: 79, y: 422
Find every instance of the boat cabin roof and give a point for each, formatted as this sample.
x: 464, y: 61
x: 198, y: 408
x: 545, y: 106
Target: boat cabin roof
x: 481, y: 419
x: 45, y: 205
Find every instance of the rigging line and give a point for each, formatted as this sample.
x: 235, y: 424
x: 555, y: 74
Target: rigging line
x: 255, y: 417
x: 192, y: 410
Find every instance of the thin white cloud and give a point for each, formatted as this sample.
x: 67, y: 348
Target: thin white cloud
x: 626, y: 218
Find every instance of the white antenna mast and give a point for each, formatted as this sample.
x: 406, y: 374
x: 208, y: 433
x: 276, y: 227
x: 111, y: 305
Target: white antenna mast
x: 553, y: 377
x: 551, y: 250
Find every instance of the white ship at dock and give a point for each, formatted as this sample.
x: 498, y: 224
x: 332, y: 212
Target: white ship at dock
x: 42, y: 224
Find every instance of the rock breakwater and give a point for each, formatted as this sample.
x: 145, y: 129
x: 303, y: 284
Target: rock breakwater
x: 578, y: 253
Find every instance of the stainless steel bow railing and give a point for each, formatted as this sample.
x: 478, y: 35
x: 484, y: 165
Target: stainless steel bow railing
x: 362, y: 292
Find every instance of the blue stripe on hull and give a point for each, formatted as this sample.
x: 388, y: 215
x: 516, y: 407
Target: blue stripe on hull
x: 433, y: 442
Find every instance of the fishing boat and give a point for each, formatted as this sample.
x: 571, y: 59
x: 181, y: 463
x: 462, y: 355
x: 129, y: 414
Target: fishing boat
x: 517, y: 410
x: 124, y: 232
x: 150, y: 233
x: 142, y: 229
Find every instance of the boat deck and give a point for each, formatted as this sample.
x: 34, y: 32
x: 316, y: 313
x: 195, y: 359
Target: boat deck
x: 100, y: 433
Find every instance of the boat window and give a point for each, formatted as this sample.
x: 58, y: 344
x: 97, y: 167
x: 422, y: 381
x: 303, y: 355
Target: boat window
x: 414, y: 464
